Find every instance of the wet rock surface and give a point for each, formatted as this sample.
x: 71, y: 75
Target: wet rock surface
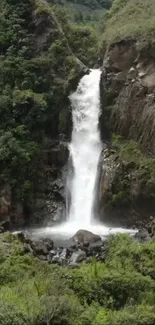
x: 142, y: 236
x: 85, y: 236
x: 72, y: 255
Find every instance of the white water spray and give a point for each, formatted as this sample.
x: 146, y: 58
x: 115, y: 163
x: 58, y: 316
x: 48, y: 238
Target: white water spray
x: 85, y: 148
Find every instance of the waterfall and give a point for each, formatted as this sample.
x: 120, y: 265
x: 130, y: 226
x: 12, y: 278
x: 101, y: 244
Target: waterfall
x: 85, y: 148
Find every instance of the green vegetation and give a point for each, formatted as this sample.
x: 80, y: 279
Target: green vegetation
x: 133, y: 19
x: 93, y: 4
x: 119, y: 291
x: 38, y: 69
x: 82, y: 39
x: 86, y: 12
x: 39, y: 64
x: 135, y: 176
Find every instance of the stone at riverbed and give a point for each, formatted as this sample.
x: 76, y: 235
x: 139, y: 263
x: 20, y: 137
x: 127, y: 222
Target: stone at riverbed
x: 56, y: 259
x: 64, y: 254
x: 142, y: 236
x: 77, y: 257
x: 27, y: 248
x: 52, y: 252
x: 43, y: 246
x: 49, y: 243
x: 96, y: 246
x: 39, y: 248
x: 85, y: 236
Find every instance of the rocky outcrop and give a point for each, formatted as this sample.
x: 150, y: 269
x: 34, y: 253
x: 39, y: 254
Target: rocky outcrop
x: 126, y: 191
x: 128, y: 123
x: 127, y: 91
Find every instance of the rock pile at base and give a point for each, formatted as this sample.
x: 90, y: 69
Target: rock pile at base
x: 84, y: 246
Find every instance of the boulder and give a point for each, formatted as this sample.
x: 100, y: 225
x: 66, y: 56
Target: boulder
x: 96, y: 246
x: 39, y: 248
x: 85, y: 236
x: 27, y: 249
x: 52, y: 253
x: 121, y: 76
x: 64, y: 254
x: 77, y: 257
x: 132, y: 74
x: 142, y: 236
x: 5, y: 225
x: 49, y: 243
x: 42, y: 246
x: 56, y: 259
x: 74, y: 265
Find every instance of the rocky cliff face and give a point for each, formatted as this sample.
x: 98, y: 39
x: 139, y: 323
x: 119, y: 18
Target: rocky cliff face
x: 128, y: 121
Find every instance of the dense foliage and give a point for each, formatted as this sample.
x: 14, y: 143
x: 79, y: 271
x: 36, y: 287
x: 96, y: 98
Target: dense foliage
x: 135, y: 170
x: 37, y: 68
x: 119, y: 291
x: 86, y: 12
x: 132, y: 19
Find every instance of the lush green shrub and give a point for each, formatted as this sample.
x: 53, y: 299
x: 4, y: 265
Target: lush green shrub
x: 141, y: 315
x: 120, y: 291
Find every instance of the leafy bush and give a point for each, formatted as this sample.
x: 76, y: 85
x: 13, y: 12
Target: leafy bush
x: 119, y: 291
x: 141, y: 315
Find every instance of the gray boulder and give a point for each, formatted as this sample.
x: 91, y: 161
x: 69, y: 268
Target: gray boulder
x: 77, y: 257
x: 142, y: 236
x: 42, y: 246
x: 85, y: 236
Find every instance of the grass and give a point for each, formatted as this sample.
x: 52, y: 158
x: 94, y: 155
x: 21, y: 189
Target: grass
x: 134, y: 19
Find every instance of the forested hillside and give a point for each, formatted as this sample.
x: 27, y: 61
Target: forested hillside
x: 86, y: 11
x: 39, y: 64
x: 132, y: 19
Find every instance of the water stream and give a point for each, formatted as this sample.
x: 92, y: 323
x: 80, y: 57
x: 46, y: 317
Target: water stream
x: 85, y: 149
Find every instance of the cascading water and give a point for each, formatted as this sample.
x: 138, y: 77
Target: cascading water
x: 85, y: 149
